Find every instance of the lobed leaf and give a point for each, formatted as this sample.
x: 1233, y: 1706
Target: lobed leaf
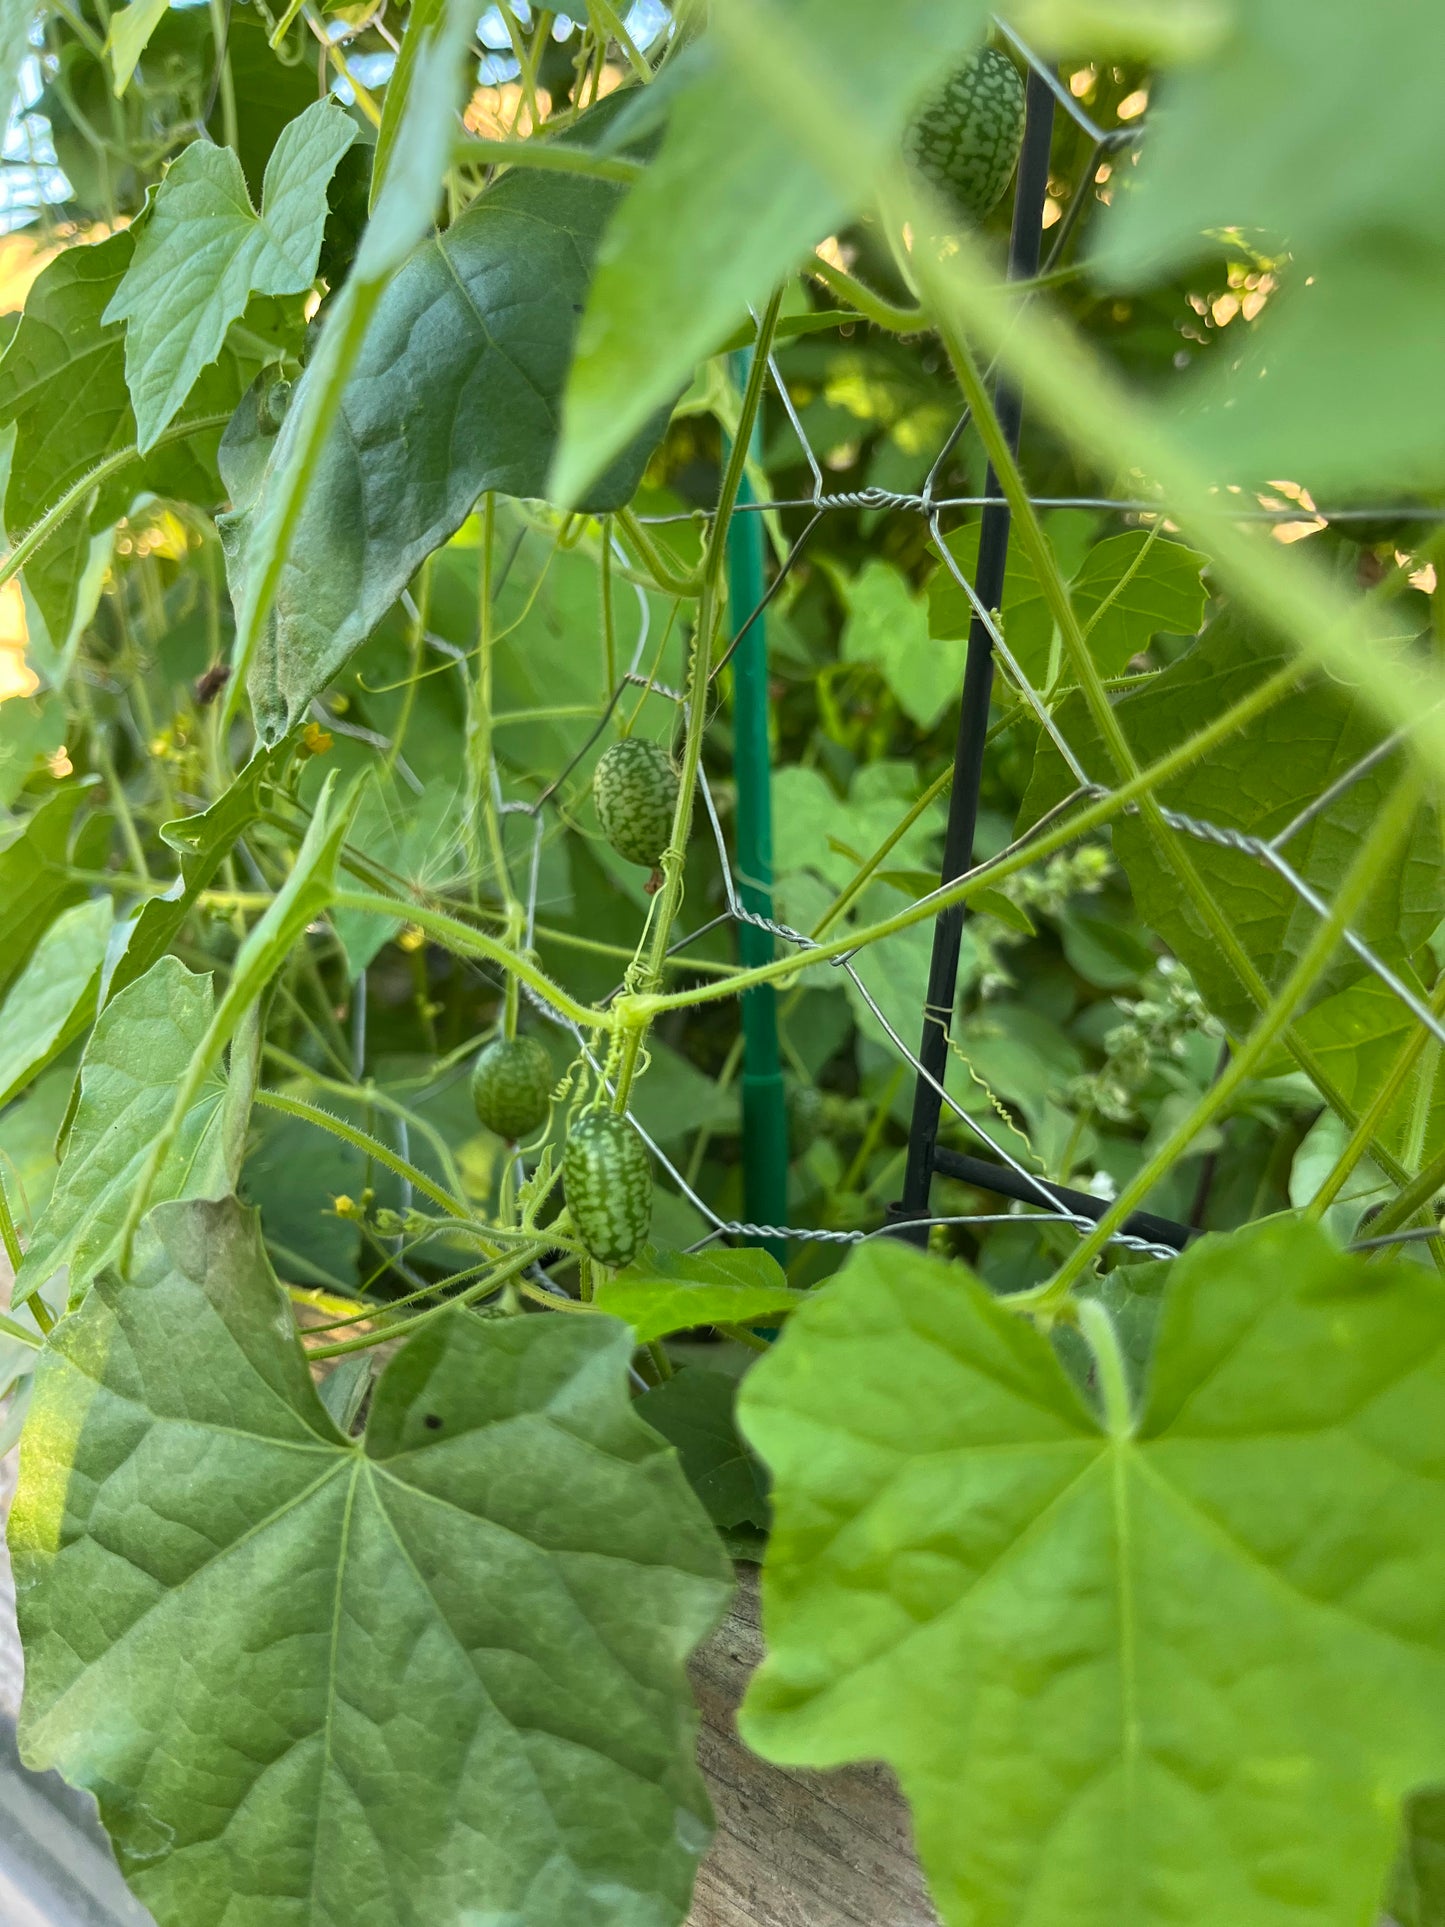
x: 1128, y: 590
x: 432, y: 1675
x: 1179, y: 1667
x: 62, y: 383
x: 203, y: 252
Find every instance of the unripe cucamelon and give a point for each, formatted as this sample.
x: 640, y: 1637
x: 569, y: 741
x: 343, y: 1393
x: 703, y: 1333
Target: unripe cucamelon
x: 635, y: 789
x: 512, y: 1086
x: 607, y: 1176
x: 965, y: 139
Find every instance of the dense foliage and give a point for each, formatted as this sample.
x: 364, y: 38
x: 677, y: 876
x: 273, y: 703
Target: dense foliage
x: 441, y: 1071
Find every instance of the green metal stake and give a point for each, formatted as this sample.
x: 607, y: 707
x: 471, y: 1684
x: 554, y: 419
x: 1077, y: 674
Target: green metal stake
x: 765, y: 1114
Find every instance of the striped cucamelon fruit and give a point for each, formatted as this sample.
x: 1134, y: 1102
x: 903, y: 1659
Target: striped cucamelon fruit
x: 965, y: 139
x: 608, y: 1180
x: 635, y: 789
x: 512, y: 1086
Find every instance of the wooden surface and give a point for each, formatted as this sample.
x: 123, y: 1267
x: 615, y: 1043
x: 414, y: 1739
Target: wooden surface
x: 793, y: 1849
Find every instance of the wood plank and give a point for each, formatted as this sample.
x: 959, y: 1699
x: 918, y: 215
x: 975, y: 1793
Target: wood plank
x: 793, y: 1849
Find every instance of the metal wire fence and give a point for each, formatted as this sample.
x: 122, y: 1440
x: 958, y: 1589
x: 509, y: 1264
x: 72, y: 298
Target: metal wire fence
x: 1038, y: 1199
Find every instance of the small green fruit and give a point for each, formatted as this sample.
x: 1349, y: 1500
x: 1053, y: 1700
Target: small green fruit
x: 965, y: 139
x: 512, y: 1086
x: 608, y: 1179
x: 635, y: 789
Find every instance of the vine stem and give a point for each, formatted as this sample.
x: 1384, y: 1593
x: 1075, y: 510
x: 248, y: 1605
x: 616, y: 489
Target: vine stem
x: 1390, y: 829
x: 484, y: 1287
x: 1094, y: 413
x: 468, y: 942
x: 61, y: 511
x: 553, y: 157
x: 1373, y: 1118
x: 873, y: 307
x: 9, y: 1236
x: 1103, y: 1341
x: 648, y: 977
x: 1169, y: 848
x: 1056, y: 594
x: 364, y: 1141
x: 1092, y: 817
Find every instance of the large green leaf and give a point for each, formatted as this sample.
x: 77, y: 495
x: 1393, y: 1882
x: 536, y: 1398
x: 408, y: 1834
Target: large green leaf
x: 455, y: 392
x: 1258, y: 782
x: 434, y: 1675
x: 34, y: 879
x: 1128, y: 590
x: 1329, y: 136
x: 54, y: 995
x: 1179, y: 1668
x: 1335, y: 382
x: 204, y: 251
x: 731, y: 204
x: 664, y: 1291
x: 1332, y: 156
x: 62, y: 382
x: 138, y: 1052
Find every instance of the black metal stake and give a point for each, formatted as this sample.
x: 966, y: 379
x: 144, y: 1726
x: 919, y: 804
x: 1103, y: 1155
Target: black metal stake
x: 1025, y: 248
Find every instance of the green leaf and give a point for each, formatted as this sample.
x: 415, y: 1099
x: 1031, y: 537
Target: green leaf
x: 1184, y: 1669
x: 301, y: 899
x: 203, y: 252
x: 53, y: 998
x: 129, y: 36
x: 993, y: 903
x: 1357, y: 1035
x: 1257, y: 782
x: 203, y: 842
x: 427, y: 53
x: 31, y: 728
x: 34, y: 886
x: 432, y: 1675
x: 1334, y: 382
x: 732, y: 203
x: 138, y: 1052
x: 693, y: 1410
x: 1286, y: 81
x: 454, y: 392
x: 1128, y: 590
x: 666, y: 1291
x: 62, y: 382
x: 887, y: 626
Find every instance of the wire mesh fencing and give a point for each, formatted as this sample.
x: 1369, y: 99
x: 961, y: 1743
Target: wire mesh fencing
x: 1035, y: 1195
